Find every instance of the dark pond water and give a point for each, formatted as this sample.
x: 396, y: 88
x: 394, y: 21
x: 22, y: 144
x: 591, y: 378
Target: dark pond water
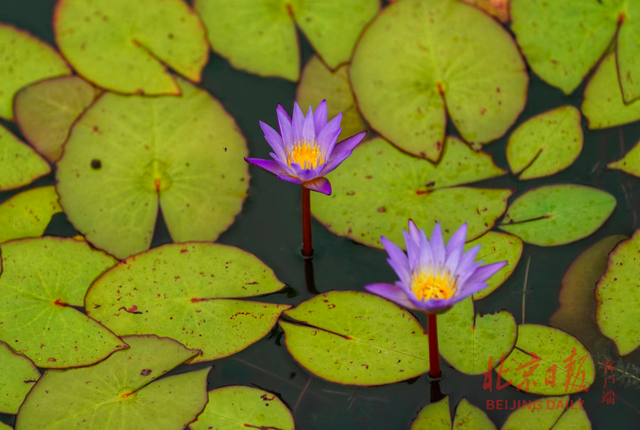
x: 270, y: 227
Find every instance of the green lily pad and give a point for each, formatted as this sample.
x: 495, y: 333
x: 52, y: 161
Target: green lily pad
x: 188, y: 292
x: 4, y: 426
x: 561, y: 365
x: 419, y: 57
x: 120, y: 392
x: 378, y: 188
x: 25, y: 59
x: 618, y: 296
x: 558, y: 214
x: 546, y: 144
x: 577, y: 301
x: 259, y: 36
x: 627, y: 46
x: 630, y: 163
x: 127, y: 155
x: 563, y: 40
x: 436, y: 416
x: 603, y: 105
x: 42, y: 281
x: 238, y: 407
x: 19, y: 164
x: 468, y: 340
x: 552, y: 413
x: 319, y: 83
x: 126, y: 46
x: 497, y: 247
x: 497, y: 8
x: 27, y: 214
x: 46, y: 110
x: 355, y: 338
x: 18, y: 376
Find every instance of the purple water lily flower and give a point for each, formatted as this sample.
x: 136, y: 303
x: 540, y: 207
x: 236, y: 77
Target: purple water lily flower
x: 305, y: 150
x: 434, y: 277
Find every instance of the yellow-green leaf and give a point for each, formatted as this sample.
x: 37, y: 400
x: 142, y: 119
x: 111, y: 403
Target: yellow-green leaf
x: 27, y: 214
x: 546, y: 143
x: 126, y: 46
x: 19, y: 164
x: 17, y: 377
x: 436, y: 416
x: 552, y: 413
x: 630, y: 163
x: 618, y: 296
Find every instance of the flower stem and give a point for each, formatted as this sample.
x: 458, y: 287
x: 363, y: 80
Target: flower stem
x: 434, y: 356
x: 307, y: 248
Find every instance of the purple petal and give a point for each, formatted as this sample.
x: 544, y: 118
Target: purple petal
x: 343, y: 150
x: 455, y: 248
x: 485, y: 272
x: 268, y: 165
x: 426, y: 255
x: 414, y: 232
x: 470, y: 289
x: 287, y: 178
x: 321, y: 185
x: 467, y: 265
x: 413, y: 251
x: 284, y: 122
x: 329, y: 130
x: 308, y: 128
x: 274, y: 140
x: 437, y: 247
x: 391, y: 292
x: 304, y: 174
x: 297, y: 123
x: 320, y: 116
x: 397, y: 260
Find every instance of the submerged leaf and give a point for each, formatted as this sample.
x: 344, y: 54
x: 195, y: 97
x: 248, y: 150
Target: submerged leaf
x: 618, y: 296
x: 468, y: 340
x: 260, y: 35
x: 120, y: 392
x: 320, y: 83
x: 45, y: 111
x: 355, y: 338
x: 577, y: 301
x: 27, y: 214
x: 238, y: 407
x: 123, y: 45
x: 42, y: 281
x: 127, y: 155
x: 436, y: 416
x: 547, y: 361
x: 563, y: 40
x: 558, y: 214
x: 188, y: 292
x: 497, y: 247
x: 19, y: 164
x: 17, y: 377
x: 25, y: 59
x: 603, y: 105
x: 419, y: 57
x: 546, y: 144
x: 630, y: 163
x: 549, y: 414
x: 378, y: 188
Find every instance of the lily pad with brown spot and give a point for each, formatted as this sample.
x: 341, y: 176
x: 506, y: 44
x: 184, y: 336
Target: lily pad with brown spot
x: 129, y: 155
x: 28, y: 214
x: 46, y: 110
x: 237, y: 407
x: 630, y: 163
x: 356, y: 338
x: 618, y: 296
x: 121, y: 392
x: 421, y: 60
x: 259, y: 36
x: 436, y: 416
x: 378, y: 188
x: 42, y: 282
x: 19, y: 164
x: 17, y: 377
x: 128, y: 46
x: 191, y: 292
x: 25, y: 60
x: 551, y: 413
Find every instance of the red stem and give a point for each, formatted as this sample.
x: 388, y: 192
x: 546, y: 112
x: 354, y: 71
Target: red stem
x: 434, y: 356
x: 307, y: 248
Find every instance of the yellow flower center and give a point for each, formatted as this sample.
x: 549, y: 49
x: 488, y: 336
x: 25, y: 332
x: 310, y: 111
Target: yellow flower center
x: 306, y: 154
x: 430, y: 286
